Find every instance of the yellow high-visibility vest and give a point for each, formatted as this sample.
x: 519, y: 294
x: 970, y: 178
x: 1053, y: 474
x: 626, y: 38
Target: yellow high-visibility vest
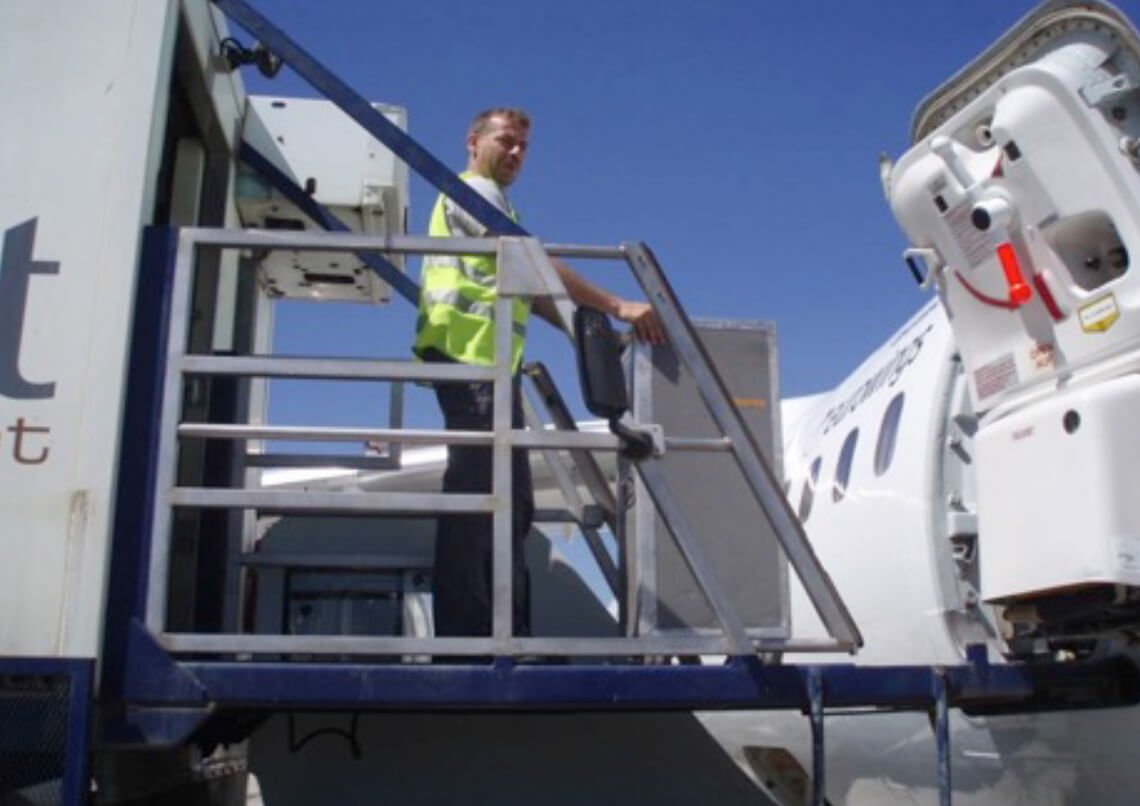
x: 457, y: 299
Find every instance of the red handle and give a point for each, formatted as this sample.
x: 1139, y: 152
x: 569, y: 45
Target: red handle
x: 1019, y: 291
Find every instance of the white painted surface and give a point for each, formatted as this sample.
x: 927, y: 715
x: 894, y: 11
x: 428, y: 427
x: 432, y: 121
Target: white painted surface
x: 86, y: 90
x: 872, y: 541
x: 1060, y: 509
x: 82, y: 84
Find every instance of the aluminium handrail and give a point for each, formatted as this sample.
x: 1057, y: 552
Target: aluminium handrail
x: 543, y: 439
x: 524, y: 270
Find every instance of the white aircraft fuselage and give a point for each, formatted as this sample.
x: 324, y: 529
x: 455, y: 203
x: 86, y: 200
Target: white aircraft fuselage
x: 885, y: 540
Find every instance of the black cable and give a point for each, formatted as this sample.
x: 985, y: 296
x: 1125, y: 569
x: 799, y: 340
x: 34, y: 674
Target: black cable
x: 348, y: 735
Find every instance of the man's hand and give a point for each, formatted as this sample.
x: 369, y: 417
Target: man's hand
x: 646, y: 324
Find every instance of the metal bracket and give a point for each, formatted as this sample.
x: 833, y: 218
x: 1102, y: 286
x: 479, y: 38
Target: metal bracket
x: 654, y: 431
x: 524, y: 269
x: 1103, y: 91
x: 153, y: 676
x: 144, y: 725
x: 930, y: 259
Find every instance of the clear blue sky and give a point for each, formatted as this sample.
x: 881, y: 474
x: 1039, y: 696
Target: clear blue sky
x: 738, y: 138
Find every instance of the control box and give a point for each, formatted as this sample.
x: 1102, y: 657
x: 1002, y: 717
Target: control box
x: 340, y: 166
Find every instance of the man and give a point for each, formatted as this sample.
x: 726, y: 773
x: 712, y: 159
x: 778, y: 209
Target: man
x: 456, y: 323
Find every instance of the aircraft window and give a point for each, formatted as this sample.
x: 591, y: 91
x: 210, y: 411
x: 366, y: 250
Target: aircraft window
x: 808, y: 494
x: 843, y: 467
x: 888, y: 434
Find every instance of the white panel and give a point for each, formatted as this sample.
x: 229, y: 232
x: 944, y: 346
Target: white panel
x: 1058, y: 508
x: 84, y: 86
x: 312, y: 139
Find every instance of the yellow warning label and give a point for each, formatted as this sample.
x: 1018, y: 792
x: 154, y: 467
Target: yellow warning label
x: 757, y: 403
x: 1099, y: 315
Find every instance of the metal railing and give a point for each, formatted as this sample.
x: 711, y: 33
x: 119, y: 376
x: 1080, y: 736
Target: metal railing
x: 524, y: 270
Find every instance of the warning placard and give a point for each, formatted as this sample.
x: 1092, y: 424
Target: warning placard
x: 1099, y: 315
x: 996, y: 376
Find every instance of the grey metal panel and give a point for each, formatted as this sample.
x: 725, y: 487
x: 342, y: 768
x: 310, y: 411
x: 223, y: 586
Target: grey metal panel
x: 558, y: 758
x: 763, y: 483
x: 692, y: 552
x: 745, y: 555
x: 343, y: 575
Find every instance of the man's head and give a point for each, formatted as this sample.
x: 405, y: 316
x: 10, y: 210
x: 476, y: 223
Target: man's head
x: 496, y: 144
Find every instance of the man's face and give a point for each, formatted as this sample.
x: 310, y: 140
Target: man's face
x: 499, y: 151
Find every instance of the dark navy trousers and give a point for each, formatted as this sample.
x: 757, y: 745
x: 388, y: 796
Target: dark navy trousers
x: 462, y: 571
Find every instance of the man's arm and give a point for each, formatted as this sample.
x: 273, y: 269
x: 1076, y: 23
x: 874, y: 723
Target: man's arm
x: 646, y: 325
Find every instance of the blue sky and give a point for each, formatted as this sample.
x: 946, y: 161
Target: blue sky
x: 739, y: 139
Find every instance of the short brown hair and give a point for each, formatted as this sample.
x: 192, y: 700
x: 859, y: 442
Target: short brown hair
x: 483, y: 119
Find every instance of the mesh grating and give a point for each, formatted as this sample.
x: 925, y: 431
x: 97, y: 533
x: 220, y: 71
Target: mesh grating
x: 33, y: 738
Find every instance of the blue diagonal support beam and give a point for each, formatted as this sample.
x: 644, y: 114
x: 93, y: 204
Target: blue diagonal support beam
x: 403, y: 284
x: 418, y: 158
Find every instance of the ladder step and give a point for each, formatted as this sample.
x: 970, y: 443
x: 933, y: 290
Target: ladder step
x: 354, y: 503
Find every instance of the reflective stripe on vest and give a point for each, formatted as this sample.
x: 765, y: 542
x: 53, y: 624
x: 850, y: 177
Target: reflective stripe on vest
x: 452, y: 298
x: 457, y: 302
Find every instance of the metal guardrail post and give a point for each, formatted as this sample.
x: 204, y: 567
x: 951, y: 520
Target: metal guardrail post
x: 502, y: 568
x: 818, y: 750
x: 170, y: 411
x: 942, y: 734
